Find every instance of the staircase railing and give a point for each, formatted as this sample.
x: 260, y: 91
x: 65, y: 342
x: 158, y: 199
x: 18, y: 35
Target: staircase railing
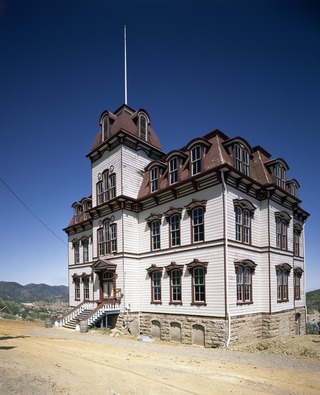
x: 106, y: 305
x: 70, y: 315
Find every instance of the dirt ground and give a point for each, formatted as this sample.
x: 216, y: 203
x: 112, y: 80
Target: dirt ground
x: 38, y: 360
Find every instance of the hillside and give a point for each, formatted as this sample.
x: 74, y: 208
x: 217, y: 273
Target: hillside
x: 32, y: 292
x: 313, y: 300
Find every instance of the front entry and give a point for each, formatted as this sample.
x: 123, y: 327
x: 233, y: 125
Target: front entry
x: 108, y: 285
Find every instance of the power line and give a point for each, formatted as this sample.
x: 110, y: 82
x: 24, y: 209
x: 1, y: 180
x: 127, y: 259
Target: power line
x: 32, y: 212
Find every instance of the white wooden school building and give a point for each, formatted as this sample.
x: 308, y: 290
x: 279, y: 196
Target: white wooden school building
x: 201, y: 245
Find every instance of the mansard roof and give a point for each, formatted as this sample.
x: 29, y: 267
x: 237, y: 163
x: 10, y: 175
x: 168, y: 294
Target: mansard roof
x: 126, y: 119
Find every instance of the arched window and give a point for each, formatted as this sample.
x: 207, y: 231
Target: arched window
x: 85, y: 248
x: 297, y: 283
x: 196, y: 160
x: 280, y: 173
x: 154, y: 179
x: 244, y: 271
x: 105, y: 127
x: 107, y: 238
x: 175, y: 273
x: 76, y: 248
x: 283, y: 272
x: 174, y: 230
x: 242, y: 159
x: 155, y: 274
x: 198, y: 272
x: 142, y: 127
x: 155, y: 235
x: 196, y: 211
x: 106, y: 187
x: 76, y: 287
x: 244, y: 211
x: 173, y: 171
x: 282, y: 223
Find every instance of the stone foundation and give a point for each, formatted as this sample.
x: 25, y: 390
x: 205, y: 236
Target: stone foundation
x: 212, y: 331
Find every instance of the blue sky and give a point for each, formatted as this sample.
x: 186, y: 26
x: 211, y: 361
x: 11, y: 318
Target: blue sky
x: 248, y: 68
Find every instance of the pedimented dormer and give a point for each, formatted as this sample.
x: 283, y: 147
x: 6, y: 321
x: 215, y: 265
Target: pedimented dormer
x: 240, y: 150
x: 278, y: 168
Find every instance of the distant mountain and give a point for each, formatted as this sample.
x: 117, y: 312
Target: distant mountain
x: 313, y: 300
x: 32, y: 292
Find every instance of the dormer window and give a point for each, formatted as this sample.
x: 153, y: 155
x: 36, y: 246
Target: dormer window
x: 242, y: 159
x: 293, y: 187
x: 143, y: 127
x: 86, y: 208
x: 76, y: 214
x: 280, y: 174
x: 154, y: 175
x: 196, y: 160
x: 173, y: 170
x: 105, y: 127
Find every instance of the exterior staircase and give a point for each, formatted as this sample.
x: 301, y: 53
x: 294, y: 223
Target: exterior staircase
x: 72, y: 324
x: 90, y: 312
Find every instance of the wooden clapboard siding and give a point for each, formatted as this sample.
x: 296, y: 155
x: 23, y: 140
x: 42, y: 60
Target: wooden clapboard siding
x: 214, y: 285
x: 129, y: 226
x: 133, y: 164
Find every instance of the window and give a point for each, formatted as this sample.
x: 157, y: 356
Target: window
x: 77, y: 288
x: 107, y: 239
x: 282, y: 285
x: 85, y: 246
x: 86, y: 208
x: 154, y: 179
x: 76, y: 214
x: 106, y: 188
x: 281, y: 233
x: 143, y: 127
x: 294, y: 189
x: 155, y: 234
x: 243, y: 225
x: 242, y: 159
x: 282, y: 271
x: 199, y: 285
x: 198, y: 272
x: 156, y: 287
x: 175, y: 281
x: 244, y: 284
x: 173, y: 170
x: 296, y: 239
x: 175, y: 230
x: 105, y: 183
x: 280, y: 174
x: 196, y: 160
x: 76, y: 247
x: 297, y: 282
x: 196, y: 210
x: 112, y: 186
x: 197, y: 224
x: 105, y: 127
x: 100, y: 192
x: 86, y: 282
x: 113, y: 240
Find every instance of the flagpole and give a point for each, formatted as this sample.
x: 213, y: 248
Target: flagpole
x: 125, y: 64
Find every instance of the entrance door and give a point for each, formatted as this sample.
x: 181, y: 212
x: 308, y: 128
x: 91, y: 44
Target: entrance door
x: 107, y: 285
x: 107, y: 290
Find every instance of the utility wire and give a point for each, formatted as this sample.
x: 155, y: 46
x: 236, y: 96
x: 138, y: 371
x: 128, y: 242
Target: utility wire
x: 29, y: 209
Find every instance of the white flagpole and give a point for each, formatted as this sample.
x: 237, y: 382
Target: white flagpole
x: 125, y: 64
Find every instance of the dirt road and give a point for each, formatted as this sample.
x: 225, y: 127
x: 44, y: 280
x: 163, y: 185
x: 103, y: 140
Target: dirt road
x: 38, y: 360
